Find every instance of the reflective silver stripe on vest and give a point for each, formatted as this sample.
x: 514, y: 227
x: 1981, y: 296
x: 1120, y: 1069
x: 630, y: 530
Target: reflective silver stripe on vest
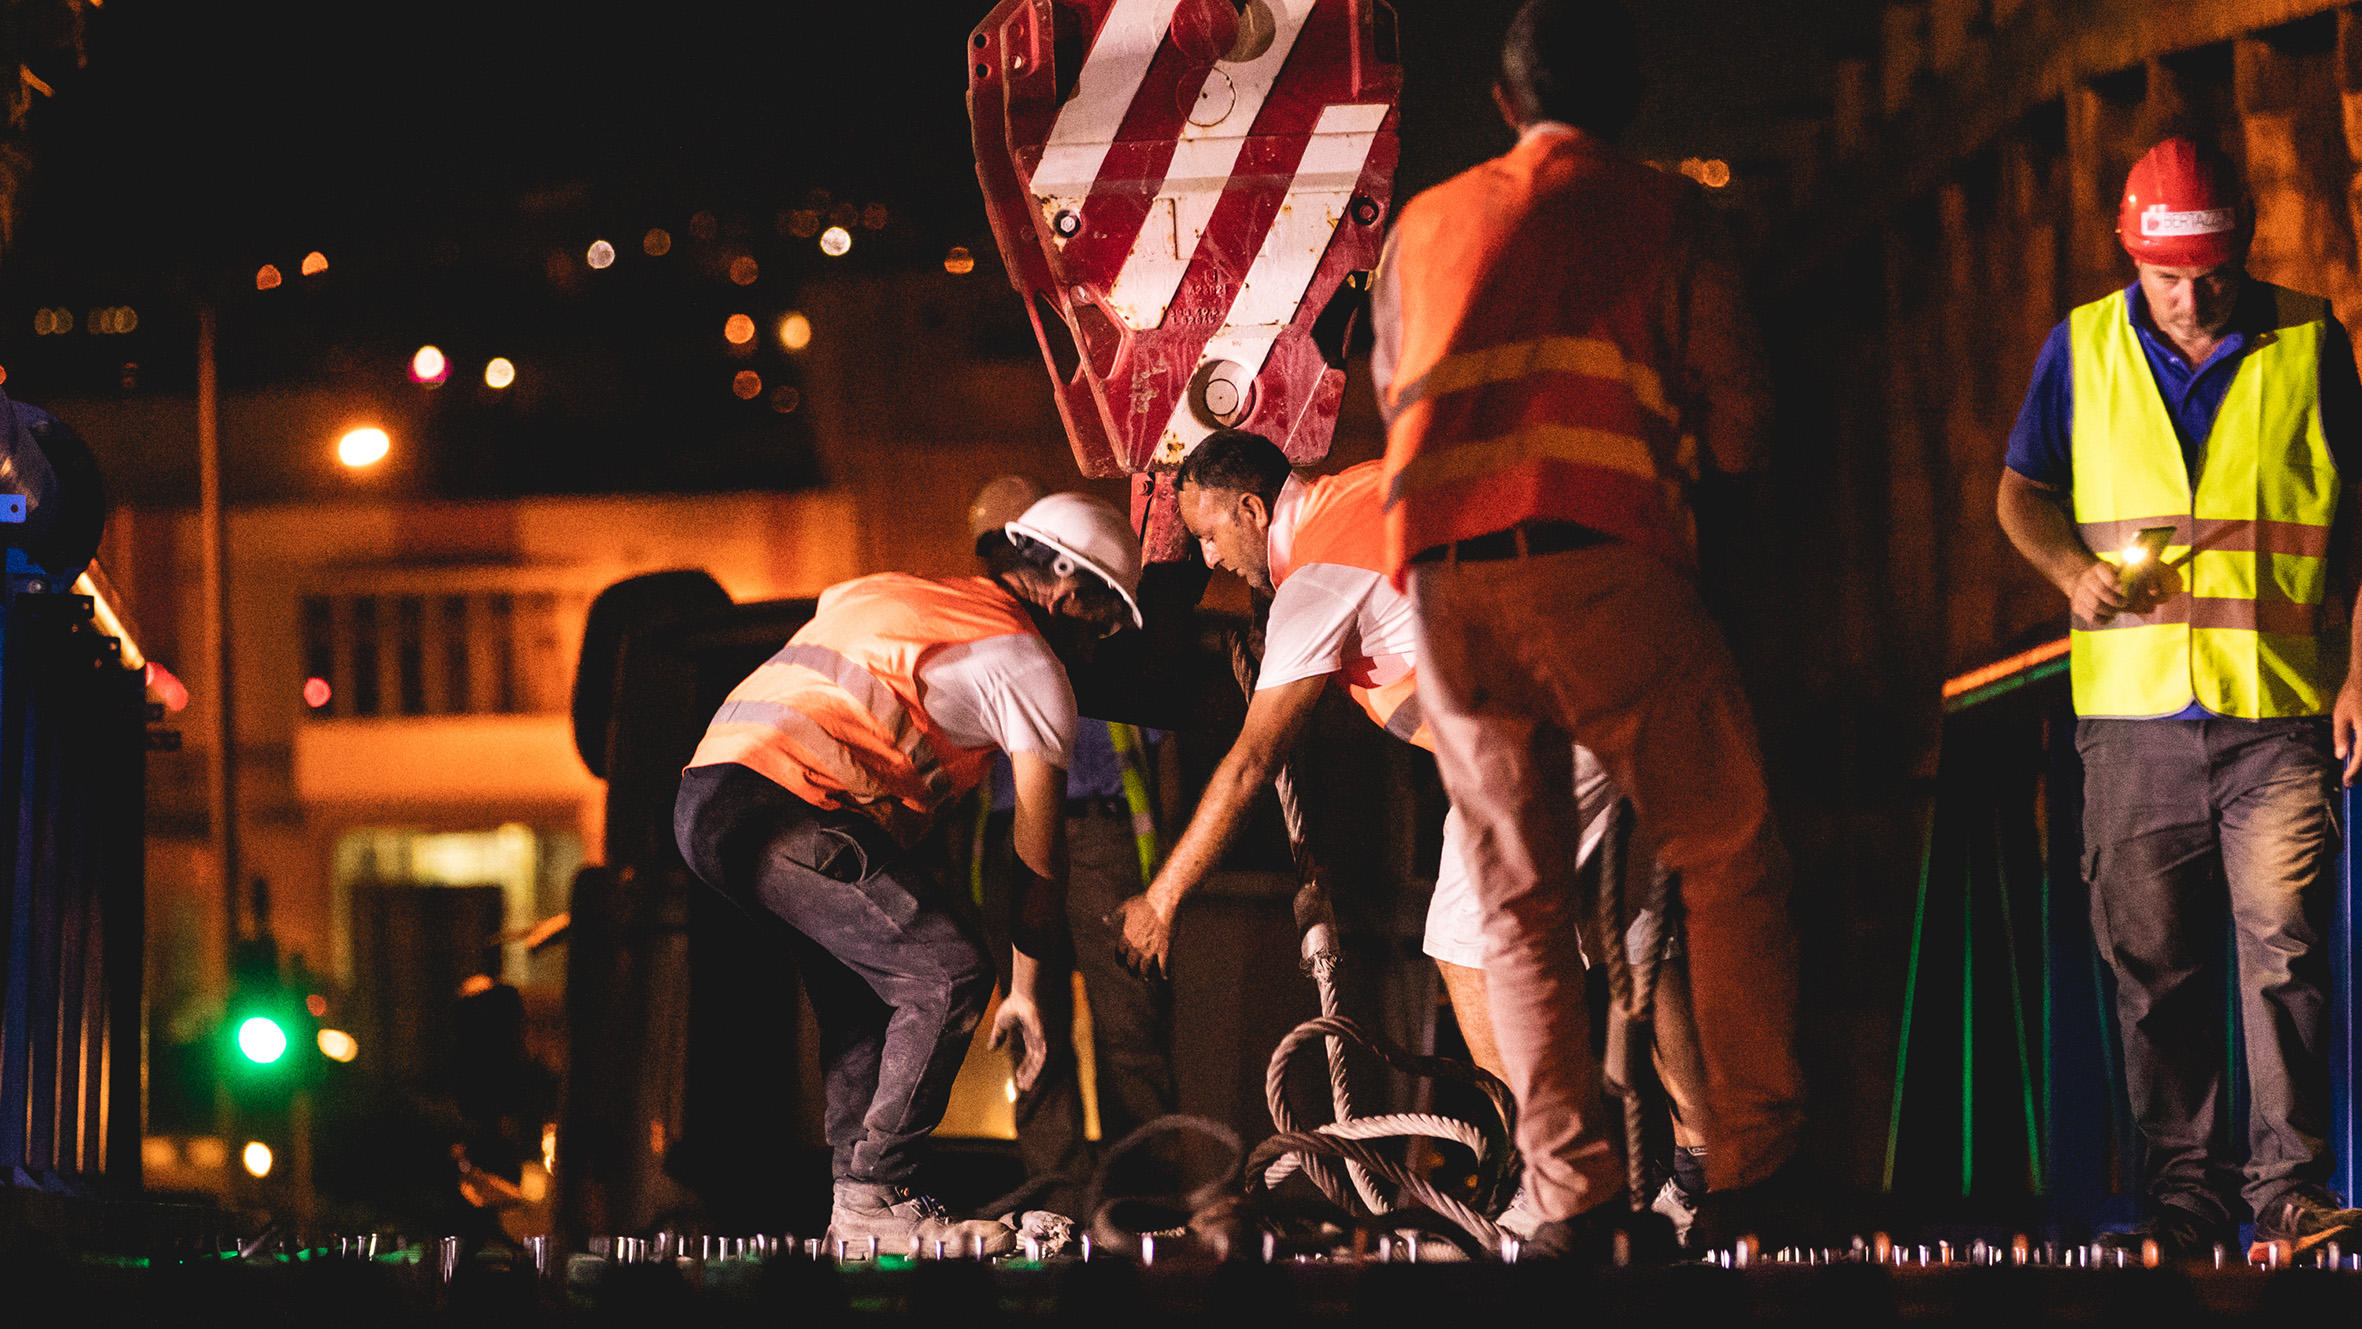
x: 823, y: 747
x: 873, y: 695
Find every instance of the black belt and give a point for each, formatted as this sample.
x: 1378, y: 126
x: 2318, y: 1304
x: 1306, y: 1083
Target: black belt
x: 1523, y: 540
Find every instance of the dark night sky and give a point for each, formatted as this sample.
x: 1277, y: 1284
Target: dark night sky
x: 441, y: 152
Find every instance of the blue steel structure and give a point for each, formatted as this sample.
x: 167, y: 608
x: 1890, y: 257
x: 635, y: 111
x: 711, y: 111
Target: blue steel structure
x: 73, y: 742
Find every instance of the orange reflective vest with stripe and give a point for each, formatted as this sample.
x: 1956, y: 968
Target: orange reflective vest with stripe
x: 2247, y: 560
x: 835, y: 717
x: 1531, y: 380
x: 1341, y: 519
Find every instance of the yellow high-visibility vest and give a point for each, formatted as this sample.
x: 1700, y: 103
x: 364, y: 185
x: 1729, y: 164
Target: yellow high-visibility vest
x: 2248, y: 558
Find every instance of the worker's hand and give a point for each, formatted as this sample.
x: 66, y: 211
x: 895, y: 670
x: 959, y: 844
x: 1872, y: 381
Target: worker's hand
x: 2098, y: 595
x: 2345, y: 726
x: 1147, y: 933
x: 1021, y: 1019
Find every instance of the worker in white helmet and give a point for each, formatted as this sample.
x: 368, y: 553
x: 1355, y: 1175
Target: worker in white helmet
x: 828, y: 763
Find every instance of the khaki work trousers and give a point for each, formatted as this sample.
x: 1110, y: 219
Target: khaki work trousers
x: 1605, y: 646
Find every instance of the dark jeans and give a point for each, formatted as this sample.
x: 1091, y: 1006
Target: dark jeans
x: 897, y: 979
x: 2191, y: 827
x: 1131, y: 1016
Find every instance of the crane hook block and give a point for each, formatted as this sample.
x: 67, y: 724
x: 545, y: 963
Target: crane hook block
x: 1189, y: 196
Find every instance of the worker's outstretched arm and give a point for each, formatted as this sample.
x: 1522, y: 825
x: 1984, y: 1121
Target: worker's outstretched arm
x: 2346, y: 713
x: 1036, y: 906
x: 2035, y: 518
x: 1274, y: 718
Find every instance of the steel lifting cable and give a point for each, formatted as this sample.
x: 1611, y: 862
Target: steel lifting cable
x: 1347, y: 1139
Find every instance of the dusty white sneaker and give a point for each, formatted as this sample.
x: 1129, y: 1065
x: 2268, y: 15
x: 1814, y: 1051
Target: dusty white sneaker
x: 1519, y: 1219
x: 907, y: 1224
x: 1675, y: 1204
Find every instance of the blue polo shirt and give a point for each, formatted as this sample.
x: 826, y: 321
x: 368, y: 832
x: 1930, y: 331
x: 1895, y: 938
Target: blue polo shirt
x: 2041, y: 444
x: 1097, y: 771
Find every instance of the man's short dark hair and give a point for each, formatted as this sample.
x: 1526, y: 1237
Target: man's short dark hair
x: 1574, y: 61
x: 1235, y: 460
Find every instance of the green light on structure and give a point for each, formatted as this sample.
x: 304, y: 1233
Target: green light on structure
x: 262, y: 1040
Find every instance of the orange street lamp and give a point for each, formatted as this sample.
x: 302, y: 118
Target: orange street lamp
x: 363, y: 448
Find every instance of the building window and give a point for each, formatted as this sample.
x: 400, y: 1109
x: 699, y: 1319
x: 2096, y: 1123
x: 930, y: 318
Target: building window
x: 493, y: 653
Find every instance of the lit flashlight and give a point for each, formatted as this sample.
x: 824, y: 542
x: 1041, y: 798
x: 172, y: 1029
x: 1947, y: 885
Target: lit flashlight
x: 2135, y: 554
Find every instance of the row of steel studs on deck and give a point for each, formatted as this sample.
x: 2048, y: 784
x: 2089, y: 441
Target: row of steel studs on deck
x: 1883, y: 1250
x: 1878, y: 1249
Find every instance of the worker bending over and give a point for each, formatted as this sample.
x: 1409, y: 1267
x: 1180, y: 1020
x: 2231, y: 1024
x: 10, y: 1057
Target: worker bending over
x: 1317, y: 548
x: 1112, y: 843
x: 830, y: 761
x: 1558, y: 342
x: 2185, y: 448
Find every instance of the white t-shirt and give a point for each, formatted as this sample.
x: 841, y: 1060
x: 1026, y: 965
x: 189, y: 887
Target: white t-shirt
x: 1006, y: 692
x: 1332, y: 618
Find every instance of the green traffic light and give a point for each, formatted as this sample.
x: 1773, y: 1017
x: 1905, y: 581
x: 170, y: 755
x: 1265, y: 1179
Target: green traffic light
x: 262, y: 1040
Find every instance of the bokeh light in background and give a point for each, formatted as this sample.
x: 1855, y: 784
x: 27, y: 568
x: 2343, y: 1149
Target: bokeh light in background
x: 744, y: 270
x: 317, y: 1005
x: 363, y: 447
x: 657, y: 242
x: 959, y: 262
x: 738, y: 330
x: 1713, y: 173
x: 601, y: 254
x: 795, y: 331
x: 748, y: 385
x: 429, y: 367
x: 499, y: 373
x: 337, y: 1045
x: 266, y: 277
x: 785, y: 399
x: 315, y: 263
x: 257, y: 1159
x: 316, y: 692
x: 835, y: 241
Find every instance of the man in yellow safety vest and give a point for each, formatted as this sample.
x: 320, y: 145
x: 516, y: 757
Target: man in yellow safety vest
x: 2175, y: 471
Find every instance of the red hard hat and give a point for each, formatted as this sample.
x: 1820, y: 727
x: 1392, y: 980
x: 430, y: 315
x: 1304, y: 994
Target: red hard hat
x: 2181, y: 208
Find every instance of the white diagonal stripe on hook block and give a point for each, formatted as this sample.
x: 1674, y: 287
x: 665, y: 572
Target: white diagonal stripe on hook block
x: 1200, y: 170
x: 1103, y: 92
x: 1292, y: 249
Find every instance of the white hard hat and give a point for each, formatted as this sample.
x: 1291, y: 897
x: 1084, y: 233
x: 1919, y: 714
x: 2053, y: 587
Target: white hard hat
x: 1089, y: 531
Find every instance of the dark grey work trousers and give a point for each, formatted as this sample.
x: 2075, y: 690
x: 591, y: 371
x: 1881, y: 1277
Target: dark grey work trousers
x: 897, y: 979
x: 1131, y: 1014
x: 2189, y: 827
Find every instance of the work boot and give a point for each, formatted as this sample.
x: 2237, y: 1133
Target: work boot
x: 2304, y: 1217
x: 1608, y: 1235
x: 1788, y: 1208
x: 2180, y: 1231
x: 907, y: 1224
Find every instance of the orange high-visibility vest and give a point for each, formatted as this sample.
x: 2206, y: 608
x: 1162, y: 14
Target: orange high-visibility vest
x: 1342, y: 520
x: 835, y: 716
x: 1531, y: 381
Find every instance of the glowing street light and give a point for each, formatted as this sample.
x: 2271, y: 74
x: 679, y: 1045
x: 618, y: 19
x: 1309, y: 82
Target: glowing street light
x: 601, y: 254
x: 337, y: 1045
x: 499, y: 373
x: 835, y: 241
x: 363, y: 447
x: 738, y: 330
x: 262, y: 1040
x: 429, y: 366
x: 795, y: 331
x: 315, y: 263
x: 257, y: 1159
